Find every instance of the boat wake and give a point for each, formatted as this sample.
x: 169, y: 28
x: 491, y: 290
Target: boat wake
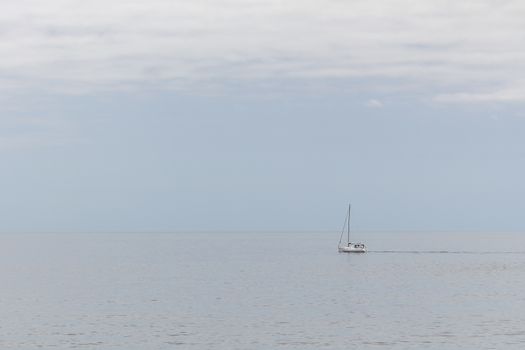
x: 443, y: 252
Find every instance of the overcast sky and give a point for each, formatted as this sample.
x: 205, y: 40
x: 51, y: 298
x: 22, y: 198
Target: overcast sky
x: 261, y: 115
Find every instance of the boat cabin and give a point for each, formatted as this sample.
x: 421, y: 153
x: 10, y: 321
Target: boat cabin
x: 357, y: 246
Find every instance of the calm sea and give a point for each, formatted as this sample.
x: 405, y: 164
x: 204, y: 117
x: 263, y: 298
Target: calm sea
x: 415, y: 290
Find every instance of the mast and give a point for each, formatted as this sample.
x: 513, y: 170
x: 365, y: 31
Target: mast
x: 349, y: 207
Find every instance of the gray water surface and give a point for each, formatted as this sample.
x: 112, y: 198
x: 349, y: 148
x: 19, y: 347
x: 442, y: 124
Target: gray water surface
x: 262, y: 291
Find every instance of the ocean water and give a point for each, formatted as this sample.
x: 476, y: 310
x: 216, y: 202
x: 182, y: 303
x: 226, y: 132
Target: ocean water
x: 416, y: 290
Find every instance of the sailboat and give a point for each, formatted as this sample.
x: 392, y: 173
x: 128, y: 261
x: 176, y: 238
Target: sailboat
x: 349, y: 247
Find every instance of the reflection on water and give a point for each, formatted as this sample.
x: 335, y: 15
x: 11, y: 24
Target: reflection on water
x: 262, y: 291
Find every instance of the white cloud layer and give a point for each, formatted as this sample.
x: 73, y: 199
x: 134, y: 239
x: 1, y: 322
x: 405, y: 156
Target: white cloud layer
x: 373, y: 103
x: 463, y: 51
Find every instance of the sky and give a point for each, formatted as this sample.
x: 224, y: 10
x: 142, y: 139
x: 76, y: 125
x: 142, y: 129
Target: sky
x: 261, y: 115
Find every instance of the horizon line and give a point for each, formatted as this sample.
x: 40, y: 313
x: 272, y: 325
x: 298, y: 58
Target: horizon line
x: 273, y: 231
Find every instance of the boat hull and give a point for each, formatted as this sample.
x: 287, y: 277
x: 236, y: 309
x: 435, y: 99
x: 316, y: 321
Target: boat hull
x: 352, y: 249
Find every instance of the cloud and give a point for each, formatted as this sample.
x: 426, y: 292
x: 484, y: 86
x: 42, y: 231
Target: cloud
x: 373, y: 103
x: 504, y: 95
x: 78, y: 46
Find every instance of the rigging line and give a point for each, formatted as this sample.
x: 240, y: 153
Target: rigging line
x: 343, y: 230
x: 349, y: 209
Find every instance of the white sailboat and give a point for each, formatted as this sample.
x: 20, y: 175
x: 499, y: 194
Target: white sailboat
x: 349, y: 247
